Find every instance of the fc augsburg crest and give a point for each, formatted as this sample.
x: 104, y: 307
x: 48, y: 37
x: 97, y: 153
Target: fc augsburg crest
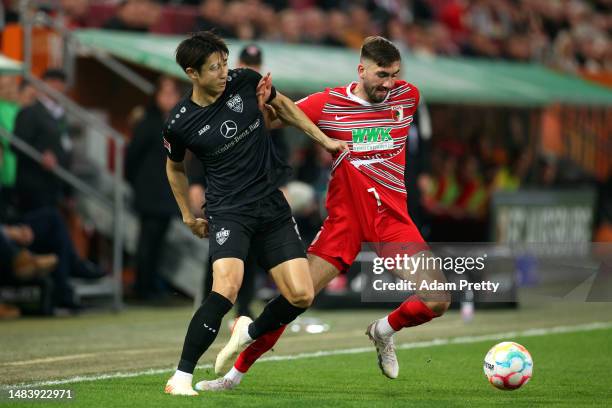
x: 235, y: 103
x: 397, y: 112
x: 222, y: 236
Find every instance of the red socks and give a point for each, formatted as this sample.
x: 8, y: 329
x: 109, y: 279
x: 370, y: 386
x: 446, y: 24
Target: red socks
x: 412, y: 312
x: 264, y: 343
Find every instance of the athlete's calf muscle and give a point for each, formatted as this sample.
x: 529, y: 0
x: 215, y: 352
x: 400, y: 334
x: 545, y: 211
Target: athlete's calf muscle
x: 423, y: 277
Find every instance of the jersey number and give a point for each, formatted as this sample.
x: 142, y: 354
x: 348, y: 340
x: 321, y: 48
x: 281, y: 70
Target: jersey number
x: 373, y: 191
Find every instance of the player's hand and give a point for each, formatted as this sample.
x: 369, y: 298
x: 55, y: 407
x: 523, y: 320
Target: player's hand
x: 198, y: 226
x: 336, y: 146
x: 263, y: 91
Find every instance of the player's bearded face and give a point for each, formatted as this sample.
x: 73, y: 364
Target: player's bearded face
x: 378, y: 81
x: 376, y: 93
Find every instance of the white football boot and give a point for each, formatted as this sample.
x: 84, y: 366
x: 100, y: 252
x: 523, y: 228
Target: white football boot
x: 385, y: 349
x: 219, y: 384
x: 239, y: 340
x: 176, y: 386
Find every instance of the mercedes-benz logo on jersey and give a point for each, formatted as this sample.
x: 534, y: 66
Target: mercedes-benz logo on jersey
x: 235, y: 103
x: 222, y: 236
x: 229, y: 129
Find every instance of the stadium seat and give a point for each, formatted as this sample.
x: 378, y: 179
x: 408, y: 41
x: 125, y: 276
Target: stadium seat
x: 99, y: 12
x: 176, y: 20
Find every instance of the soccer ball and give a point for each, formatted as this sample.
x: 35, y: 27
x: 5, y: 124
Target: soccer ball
x: 508, y: 365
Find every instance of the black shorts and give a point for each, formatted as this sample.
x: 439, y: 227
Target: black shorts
x: 266, y: 228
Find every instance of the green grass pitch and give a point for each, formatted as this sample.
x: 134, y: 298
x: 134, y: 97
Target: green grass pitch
x: 571, y: 369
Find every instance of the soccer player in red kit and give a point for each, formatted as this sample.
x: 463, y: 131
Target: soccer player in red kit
x: 366, y: 200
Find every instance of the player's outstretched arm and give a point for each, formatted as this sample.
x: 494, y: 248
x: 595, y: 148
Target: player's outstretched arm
x: 289, y: 113
x: 180, y: 188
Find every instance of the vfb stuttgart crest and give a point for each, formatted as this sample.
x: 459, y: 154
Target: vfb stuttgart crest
x: 397, y: 113
x: 222, y: 236
x: 235, y: 103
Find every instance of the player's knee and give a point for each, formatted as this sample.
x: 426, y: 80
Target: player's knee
x: 301, y: 298
x: 439, y: 307
x: 228, y: 290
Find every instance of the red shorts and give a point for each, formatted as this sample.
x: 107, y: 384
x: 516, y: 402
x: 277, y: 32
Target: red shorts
x: 362, y: 210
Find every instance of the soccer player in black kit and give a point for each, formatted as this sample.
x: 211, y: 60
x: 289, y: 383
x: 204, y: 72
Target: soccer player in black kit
x: 221, y: 123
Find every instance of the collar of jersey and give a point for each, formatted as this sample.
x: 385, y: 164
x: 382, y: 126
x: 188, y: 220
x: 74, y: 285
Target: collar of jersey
x: 360, y: 101
x: 207, y: 106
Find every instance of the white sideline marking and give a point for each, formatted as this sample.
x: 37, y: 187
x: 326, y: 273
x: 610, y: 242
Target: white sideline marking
x: 51, y: 359
x: 79, y: 357
x: 357, y: 350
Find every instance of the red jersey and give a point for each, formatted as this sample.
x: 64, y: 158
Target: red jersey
x: 366, y: 201
x: 376, y: 132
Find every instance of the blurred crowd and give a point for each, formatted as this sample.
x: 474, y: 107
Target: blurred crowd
x: 458, y: 190
x: 36, y: 207
x: 571, y: 35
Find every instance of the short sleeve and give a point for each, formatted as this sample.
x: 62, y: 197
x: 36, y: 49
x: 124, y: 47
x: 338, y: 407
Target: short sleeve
x: 175, y: 150
x: 312, y: 105
x: 253, y: 77
x: 414, y: 94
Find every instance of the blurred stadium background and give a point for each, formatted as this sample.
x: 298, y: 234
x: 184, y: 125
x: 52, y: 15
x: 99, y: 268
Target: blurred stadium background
x: 515, y: 124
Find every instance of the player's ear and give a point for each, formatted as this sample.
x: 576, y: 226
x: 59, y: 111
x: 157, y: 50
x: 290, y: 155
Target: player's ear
x: 192, y: 73
x: 361, y: 71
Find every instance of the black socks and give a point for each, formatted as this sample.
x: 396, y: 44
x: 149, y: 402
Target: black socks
x: 205, y: 323
x: 277, y: 313
x: 203, y: 330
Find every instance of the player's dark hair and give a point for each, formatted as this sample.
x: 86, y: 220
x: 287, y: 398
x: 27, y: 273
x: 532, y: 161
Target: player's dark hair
x: 251, y: 55
x: 195, y: 50
x: 380, y: 50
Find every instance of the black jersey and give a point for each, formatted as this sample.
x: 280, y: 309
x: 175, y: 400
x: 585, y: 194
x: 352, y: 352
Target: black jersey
x: 230, y: 139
